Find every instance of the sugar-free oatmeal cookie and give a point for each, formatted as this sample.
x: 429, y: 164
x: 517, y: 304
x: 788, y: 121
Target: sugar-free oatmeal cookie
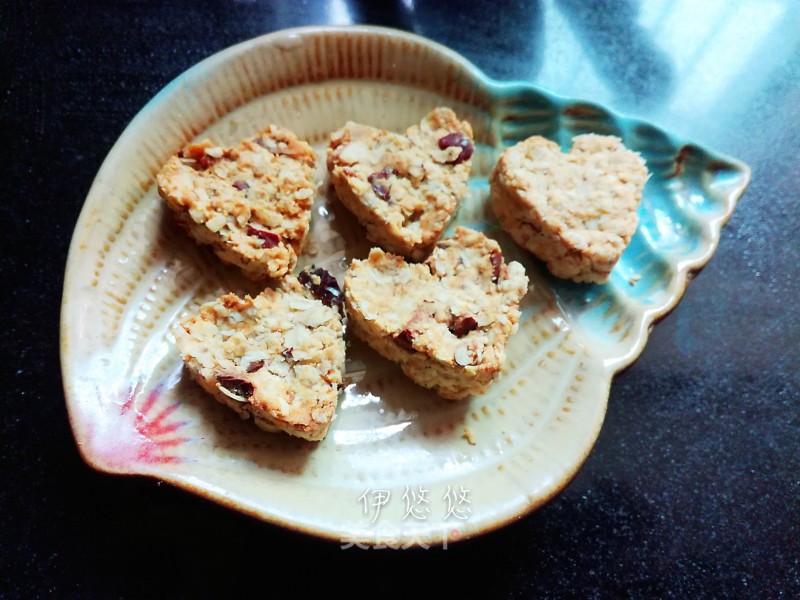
x: 575, y: 211
x: 445, y: 321
x: 251, y: 203
x: 277, y: 357
x: 403, y: 188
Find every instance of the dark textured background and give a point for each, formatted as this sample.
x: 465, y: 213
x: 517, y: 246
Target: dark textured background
x: 692, y: 489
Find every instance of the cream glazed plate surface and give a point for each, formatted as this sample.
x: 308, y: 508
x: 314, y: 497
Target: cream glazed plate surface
x: 400, y: 466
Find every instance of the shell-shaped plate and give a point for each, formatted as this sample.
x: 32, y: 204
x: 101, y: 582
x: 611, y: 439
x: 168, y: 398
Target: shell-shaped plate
x: 400, y: 466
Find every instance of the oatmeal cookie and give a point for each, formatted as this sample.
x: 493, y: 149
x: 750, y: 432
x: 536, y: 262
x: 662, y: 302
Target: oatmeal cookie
x: 403, y: 188
x: 251, y: 203
x: 445, y: 321
x: 574, y: 211
x: 277, y: 357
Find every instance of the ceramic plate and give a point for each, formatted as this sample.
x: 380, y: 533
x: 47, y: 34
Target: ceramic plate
x: 399, y: 466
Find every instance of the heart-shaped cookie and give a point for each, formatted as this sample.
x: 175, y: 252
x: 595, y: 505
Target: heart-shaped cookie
x: 251, y: 203
x: 403, y: 188
x: 445, y: 321
x: 278, y: 356
x: 575, y: 211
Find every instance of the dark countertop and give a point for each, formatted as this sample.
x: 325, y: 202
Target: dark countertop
x: 692, y: 489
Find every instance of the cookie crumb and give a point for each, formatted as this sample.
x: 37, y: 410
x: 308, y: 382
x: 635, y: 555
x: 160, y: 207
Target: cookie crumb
x: 469, y: 435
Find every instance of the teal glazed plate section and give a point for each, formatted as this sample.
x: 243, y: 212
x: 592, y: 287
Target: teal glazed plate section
x: 400, y: 467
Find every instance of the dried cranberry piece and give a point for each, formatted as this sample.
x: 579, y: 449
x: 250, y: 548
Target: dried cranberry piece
x: 405, y: 339
x: 236, y: 386
x: 255, y: 366
x: 381, y: 190
x: 384, y: 173
x: 241, y: 185
x: 206, y: 161
x: 268, y: 239
x: 326, y: 291
x: 461, y: 326
x: 457, y: 139
x: 497, y: 260
x: 260, y: 141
